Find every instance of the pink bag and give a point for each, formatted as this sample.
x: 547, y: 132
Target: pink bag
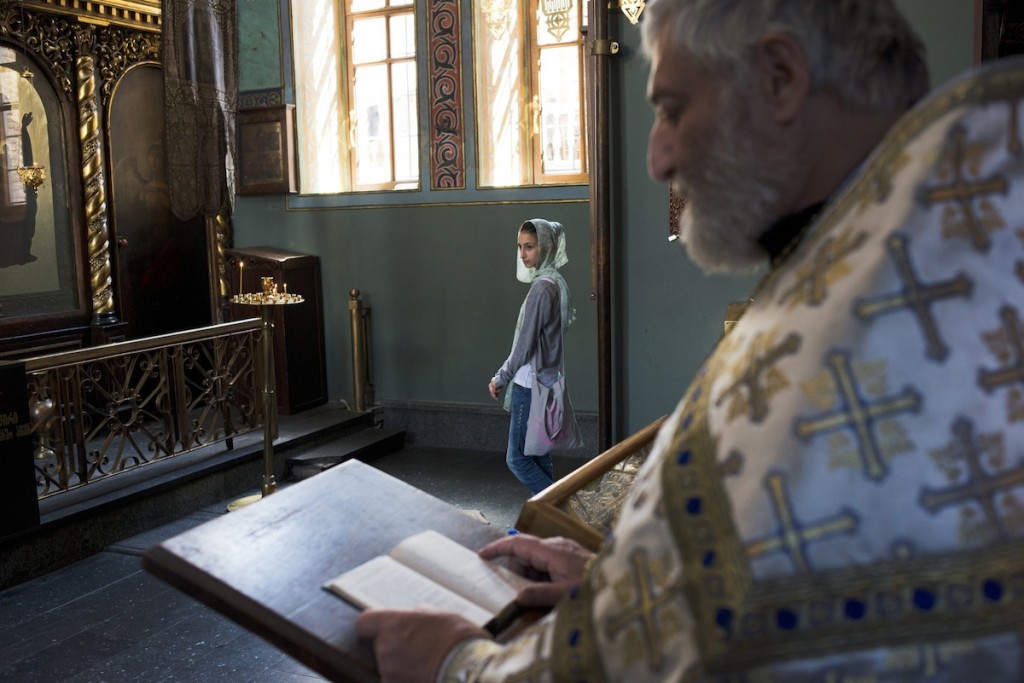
x: 552, y: 424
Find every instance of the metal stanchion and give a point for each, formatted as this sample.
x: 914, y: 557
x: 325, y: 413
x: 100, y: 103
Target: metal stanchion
x: 361, y: 379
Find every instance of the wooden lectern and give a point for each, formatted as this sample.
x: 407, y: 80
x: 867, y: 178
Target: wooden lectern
x: 265, y: 564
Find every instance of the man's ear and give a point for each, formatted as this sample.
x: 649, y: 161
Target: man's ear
x: 784, y: 76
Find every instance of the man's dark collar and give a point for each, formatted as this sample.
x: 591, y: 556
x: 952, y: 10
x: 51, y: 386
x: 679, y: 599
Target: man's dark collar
x: 785, y: 233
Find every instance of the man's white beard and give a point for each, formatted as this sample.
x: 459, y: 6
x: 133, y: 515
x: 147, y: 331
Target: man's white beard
x: 731, y: 196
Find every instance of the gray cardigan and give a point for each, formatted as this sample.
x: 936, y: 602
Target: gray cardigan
x: 540, y: 336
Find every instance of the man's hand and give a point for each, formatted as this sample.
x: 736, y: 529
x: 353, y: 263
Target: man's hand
x: 556, y: 562
x: 410, y: 646
x: 493, y: 389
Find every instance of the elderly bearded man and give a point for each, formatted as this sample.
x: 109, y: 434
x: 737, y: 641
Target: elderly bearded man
x: 872, y: 396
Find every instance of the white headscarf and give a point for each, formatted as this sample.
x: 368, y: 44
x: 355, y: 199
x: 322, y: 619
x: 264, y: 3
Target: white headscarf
x: 551, y: 244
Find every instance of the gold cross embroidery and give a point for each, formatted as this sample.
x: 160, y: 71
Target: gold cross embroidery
x: 539, y: 665
x: 916, y: 297
x: 732, y: 465
x: 760, y: 376
x: 827, y: 266
x: 793, y: 538
x: 962, y: 193
x: 879, y: 185
x: 979, y: 486
x: 649, y: 598
x: 1007, y: 344
x: 857, y: 414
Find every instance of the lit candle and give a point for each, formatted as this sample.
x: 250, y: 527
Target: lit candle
x: 240, y: 264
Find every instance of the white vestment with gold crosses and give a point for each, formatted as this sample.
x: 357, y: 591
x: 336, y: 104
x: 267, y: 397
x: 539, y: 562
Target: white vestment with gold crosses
x: 839, y: 496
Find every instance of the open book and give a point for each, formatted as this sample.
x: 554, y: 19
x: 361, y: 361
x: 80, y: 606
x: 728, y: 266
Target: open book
x: 431, y: 570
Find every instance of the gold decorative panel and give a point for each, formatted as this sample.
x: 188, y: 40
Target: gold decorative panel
x: 140, y: 14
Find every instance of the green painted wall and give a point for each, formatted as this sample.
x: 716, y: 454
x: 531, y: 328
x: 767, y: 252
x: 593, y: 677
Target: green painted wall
x: 671, y: 313
x: 441, y: 282
x: 259, y: 45
x: 946, y: 26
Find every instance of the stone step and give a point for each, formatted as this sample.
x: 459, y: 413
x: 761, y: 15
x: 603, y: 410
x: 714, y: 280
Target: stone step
x: 306, y: 437
x: 364, y: 445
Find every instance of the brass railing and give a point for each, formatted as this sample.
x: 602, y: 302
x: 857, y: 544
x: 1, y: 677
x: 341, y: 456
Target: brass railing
x: 99, y: 411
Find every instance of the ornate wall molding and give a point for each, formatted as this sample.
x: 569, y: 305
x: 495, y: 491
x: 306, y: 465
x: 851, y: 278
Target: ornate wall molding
x: 447, y: 144
x: 254, y: 99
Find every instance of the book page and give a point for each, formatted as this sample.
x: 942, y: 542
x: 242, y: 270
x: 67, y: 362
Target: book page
x: 384, y: 583
x: 459, y: 569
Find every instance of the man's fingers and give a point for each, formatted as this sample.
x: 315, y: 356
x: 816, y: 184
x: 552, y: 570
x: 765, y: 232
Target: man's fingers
x: 371, y: 622
x: 542, y: 594
x: 560, y: 558
x: 521, y: 546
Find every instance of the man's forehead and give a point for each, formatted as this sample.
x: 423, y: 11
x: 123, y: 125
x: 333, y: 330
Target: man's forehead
x: 674, y: 71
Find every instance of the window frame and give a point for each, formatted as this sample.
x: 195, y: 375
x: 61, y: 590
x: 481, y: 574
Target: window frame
x: 535, y: 129
x: 347, y: 18
x: 526, y: 21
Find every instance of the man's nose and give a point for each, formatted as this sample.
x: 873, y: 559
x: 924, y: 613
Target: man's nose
x: 659, y: 154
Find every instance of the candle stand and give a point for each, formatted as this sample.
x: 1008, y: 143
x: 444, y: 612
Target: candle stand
x: 266, y: 300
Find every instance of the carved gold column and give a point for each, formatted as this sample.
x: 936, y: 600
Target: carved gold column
x: 95, y: 196
x: 218, y: 237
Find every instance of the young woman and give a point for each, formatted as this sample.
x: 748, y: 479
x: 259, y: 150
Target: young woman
x: 545, y: 314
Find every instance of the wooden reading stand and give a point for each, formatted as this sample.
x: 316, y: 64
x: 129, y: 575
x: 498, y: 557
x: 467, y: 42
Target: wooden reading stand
x: 264, y: 565
x: 549, y: 513
x: 577, y: 506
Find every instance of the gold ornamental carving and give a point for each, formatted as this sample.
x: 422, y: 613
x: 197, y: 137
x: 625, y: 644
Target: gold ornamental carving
x: 70, y: 29
x: 98, y: 232
x: 223, y: 241
x: 137, y: 14
x: 119, y: 49
x: 32, y: 176
x: 51, y: 41
x: 219, y: 230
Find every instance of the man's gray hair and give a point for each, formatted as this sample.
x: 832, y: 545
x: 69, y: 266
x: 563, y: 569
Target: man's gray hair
x: 864, y: 51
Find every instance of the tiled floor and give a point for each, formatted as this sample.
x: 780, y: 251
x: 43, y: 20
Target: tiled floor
x: 104, y: 619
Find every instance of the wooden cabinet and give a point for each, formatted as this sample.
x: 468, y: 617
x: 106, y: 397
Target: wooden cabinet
x: 299, y: 359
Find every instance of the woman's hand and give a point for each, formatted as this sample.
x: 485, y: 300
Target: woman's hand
x: 411, y: 645
x: 557, y: 563
x: 494, y: 390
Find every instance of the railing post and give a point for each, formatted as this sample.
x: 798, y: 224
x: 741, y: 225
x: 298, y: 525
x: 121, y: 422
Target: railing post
x: 18, y: 506
x: 361, y: 373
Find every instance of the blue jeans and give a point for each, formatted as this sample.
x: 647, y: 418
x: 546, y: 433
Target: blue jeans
x: 534, y: 471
